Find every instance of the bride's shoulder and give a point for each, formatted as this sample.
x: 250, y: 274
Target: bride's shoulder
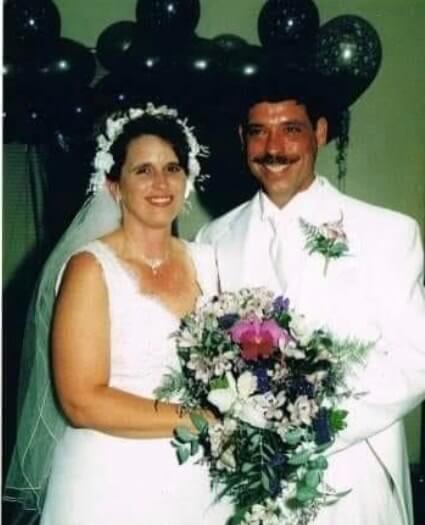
x: 84, y: 264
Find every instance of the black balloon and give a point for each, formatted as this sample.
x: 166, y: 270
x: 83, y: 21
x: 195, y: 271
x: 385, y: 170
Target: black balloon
x: 245, y: 63
x: 70, y: 66
x: 146, y: 61
x: 285, y: 24
x: 349, y: 49
x: 114, y: 43
x: 74, y: 116
x: 243, y: 69
x: 349, y: 44
x: 198, y: 70
x: 31, y: 27
x: 117, y: 91
x: 228, y: 42
x: 15, y: 79
x: 168, y: 21
x: 201, y: 57
x: 31, y: 123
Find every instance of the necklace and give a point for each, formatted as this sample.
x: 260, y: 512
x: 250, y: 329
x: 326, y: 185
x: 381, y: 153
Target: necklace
x: 154, y: 263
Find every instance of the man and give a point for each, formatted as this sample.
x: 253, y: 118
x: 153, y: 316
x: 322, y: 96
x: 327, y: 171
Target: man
x: 370, y: 289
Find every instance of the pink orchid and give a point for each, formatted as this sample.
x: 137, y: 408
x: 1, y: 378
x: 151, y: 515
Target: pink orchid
x: 257, y: 338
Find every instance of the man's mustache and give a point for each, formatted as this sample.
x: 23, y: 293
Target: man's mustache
x: 274, y: 159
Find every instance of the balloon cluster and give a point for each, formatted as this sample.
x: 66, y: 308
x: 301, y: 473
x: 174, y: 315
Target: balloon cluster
x: 347, y: 49
x: 46, y: 77
x: 159, y: 57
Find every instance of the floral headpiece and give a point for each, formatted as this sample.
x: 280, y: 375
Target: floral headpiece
x: 115, y: 124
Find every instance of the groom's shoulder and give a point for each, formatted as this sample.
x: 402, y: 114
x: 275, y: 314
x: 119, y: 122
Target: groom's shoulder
x: 214, y: 230
x: 377, y: 213
x: 378, y: 219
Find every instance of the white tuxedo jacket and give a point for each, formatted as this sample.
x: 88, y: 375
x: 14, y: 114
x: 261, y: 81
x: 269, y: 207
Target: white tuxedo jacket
x: 374, y: 293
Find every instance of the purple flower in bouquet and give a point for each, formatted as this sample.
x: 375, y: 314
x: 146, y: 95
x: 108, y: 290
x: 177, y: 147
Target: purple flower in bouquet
x: 263, y: 378
x: 257, y: 338
x: 227, y: 321
x: 280, y: 304
x: 299, y: 386
x: 321, y: 427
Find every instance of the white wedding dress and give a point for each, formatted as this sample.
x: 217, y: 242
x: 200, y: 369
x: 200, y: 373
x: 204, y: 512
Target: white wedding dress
x: 98, y: 479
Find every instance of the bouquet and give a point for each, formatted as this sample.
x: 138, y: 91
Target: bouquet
x: 274, y: 384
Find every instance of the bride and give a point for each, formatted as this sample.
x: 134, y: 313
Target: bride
x: 95, y: 449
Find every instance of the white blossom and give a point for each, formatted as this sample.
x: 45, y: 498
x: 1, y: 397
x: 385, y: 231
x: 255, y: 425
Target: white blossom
x: 103, y: 161
x: 279, y: 372
x: 301, y: 328
x: 289, y: 348
x: 272, y: 404
x: 316, y: 378
x: 238, y: 399
x: 302, y: 410
x: 222, y: 363
x: 266, y: 514
x: 201, y: 367
x: 219, y: 434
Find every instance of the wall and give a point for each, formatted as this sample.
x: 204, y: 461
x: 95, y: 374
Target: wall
x: 386, y: 164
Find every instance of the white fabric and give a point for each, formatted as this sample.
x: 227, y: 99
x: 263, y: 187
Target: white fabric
x: 98, y: 479
x: 374, y: 293
x: 40, y: 420
x: 285, y: 241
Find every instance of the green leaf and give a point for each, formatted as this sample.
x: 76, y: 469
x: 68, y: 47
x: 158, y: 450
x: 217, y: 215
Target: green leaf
x: 238, y: 516
x: 320, y: 462
x: 183, y: 454
x: 247, y: 467
x: 220, y: 382
x: 305, y: 494
x: 255, y: 439
x: 184, y: 435
x: 293, y: 437
x: 300, y: 458
x: 265, y: 481
x: 194, y: 447
x: 199, y: 422
x: 337, y: 420
x: 312, y: 478
x: 172, y: 384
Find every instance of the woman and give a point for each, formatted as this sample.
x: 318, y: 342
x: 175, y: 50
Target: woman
x: 119, y: 299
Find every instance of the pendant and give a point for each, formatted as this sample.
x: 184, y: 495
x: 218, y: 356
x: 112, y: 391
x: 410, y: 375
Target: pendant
x: 154, y: 264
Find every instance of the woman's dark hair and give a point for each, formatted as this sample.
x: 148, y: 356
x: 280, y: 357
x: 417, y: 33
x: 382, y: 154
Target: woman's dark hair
x: 163, y: 127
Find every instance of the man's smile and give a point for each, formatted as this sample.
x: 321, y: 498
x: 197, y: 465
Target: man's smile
x: 276, y: 164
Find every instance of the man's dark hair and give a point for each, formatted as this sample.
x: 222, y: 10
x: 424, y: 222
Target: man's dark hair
x: 303, y: 87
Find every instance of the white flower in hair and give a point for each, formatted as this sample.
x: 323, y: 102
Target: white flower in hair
x: 103, y: 161
x: 114, y: 127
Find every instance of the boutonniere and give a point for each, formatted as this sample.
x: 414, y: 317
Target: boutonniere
x: 329, y: 239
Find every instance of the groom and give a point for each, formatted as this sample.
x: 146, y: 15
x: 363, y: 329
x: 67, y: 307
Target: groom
x: 370, y: 288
